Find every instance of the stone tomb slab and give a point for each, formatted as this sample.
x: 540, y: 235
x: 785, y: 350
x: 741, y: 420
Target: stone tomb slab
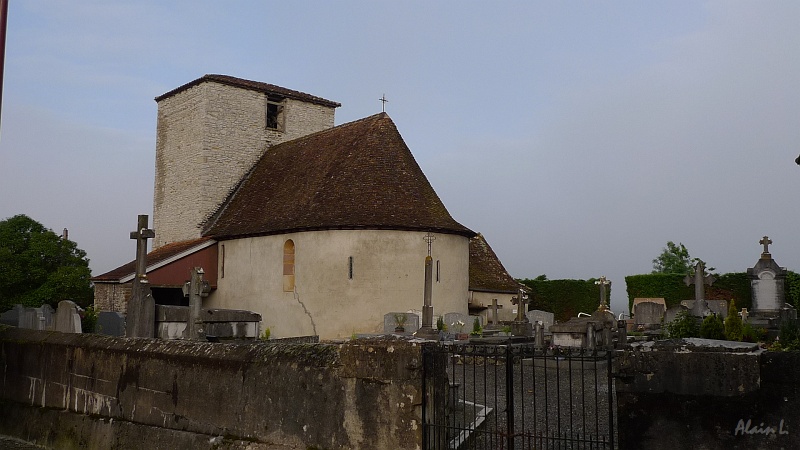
x: 546, y: 318
x: 648, y: 314
x: 111, y: 323
x: 11, y: 317
x: 390, y: 322
x: 40, y: 318
x: 67, y: 318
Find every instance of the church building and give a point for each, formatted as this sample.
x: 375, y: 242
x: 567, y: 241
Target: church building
x: 318, y: 228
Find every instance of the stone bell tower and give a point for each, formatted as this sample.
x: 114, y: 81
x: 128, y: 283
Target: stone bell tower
x: 209, y: 134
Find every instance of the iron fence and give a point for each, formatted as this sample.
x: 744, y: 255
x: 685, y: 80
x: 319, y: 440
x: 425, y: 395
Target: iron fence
x: 517, y: 396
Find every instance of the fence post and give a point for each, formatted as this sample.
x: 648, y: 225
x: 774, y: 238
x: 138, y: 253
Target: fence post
x: 609, y: 360
x: 509, y: 398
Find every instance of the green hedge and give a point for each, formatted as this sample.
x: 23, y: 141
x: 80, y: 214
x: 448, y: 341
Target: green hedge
x: 565, y: 298
x: 673, y: 288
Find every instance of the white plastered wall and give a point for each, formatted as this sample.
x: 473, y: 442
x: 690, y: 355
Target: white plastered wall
x: 388, y: 276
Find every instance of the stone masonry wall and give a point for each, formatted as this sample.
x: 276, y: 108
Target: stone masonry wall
x: 111, y: 296
x: 207, y: 138
x: 89, y: 391
x: 683, y: 397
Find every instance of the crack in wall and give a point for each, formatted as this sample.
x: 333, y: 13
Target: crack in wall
x: 297, y: 297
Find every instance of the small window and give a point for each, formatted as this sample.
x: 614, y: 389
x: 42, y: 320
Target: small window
x: 274, y: 113
x: 288, y: 266
x: 222, y: 262
x: 350, y: 268
x: 437, y: 271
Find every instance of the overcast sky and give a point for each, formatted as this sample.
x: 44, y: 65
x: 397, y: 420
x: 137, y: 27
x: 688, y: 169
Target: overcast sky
x: 578, y: 137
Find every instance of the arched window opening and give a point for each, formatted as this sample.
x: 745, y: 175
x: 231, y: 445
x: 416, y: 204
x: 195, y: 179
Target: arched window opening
x: 288, y: 266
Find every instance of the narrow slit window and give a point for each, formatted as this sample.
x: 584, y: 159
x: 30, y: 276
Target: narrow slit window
x: 437, y: 271
x: 222, y: 261
x: 274, y: 114
x: 350, y: 268
x: 288, y: 266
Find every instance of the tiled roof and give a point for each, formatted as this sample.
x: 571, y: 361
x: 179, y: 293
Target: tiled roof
x: 360, y: 175
x: 255, y: 86
x: 486, y: 272
x: 156, y: 256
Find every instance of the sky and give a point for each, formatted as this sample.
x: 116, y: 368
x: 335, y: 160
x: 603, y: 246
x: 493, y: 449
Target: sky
x: 578, y: 137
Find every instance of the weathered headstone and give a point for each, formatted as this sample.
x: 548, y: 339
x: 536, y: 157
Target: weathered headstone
x: 521, y: 325
x: 111, y: 323
x: 393, y: 320
x: 457, y: 322
x: 40, y: 318
x: 196, y: 289
x: 699, y: 307
x: 11, y: 317
x: 544, y: 317
x: 648, y: 314
x: 495, y: 318
x: 67, y: 318
x: 141, y: 306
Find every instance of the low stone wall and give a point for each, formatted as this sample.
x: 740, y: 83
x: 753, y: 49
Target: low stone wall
x: 689, y: 394
x: 91, y: 391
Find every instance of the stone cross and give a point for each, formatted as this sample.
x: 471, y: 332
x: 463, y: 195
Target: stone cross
x: 494, y: 312
x: 765, y: 241
x: 195, y: 289
x: 603, y: 282
x: 700, y: 280
x: 521, y: 300
x: 141, y: 311
x: 142, y: 234
x: 426, y: 331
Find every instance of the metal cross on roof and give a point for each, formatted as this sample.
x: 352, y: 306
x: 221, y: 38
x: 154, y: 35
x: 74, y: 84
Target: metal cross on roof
x: 383, y: 100
x: 429, y: 238
x: 765, y: 241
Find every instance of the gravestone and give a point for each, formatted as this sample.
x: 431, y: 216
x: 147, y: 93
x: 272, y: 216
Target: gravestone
x: 40, y: 318
x: 111, y: 323
x: 11, y: 317
x: 648, y: 315
x: 671, y: 313
x: 767, y: 280
x: 699, y: 307
x: 457, y: 323
x: 67, y: 318
x: 390, y: 322
x: 141, y: 317
x: 546, y: 318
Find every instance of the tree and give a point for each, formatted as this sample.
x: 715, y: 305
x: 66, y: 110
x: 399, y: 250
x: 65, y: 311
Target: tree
x: 37, y: 266
x: 733, y: 324
x: 676, y: 259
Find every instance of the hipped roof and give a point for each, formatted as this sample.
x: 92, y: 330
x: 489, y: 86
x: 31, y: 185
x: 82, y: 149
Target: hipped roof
x: 360, y: 175
x: 486, y: 272
x: 254, y: 86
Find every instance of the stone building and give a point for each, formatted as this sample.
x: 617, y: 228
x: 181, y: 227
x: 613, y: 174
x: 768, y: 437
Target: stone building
x: 317, y: 228
x: 489, y: 281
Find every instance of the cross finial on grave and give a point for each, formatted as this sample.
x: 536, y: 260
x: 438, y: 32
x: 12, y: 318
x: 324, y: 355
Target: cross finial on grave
x: 383, y: 101
x: 521, y: 300
x: 142, y: 234
x: 603, y: 282
x: 765, y: 241
x: 700, y: 279
x: 429, y: 238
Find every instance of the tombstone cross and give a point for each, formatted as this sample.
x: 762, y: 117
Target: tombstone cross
x: 494, y: 312
x: 142, y: 234
x: 521, y: 300
x: 700, y: 280
x: 765, y: 241
x: 603, y: 282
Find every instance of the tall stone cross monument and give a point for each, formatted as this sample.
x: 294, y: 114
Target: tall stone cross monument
x: 700, y: 281
x: 426, y: 331
x: 603, y: 282
x: 140, y: 321
x: 521, y: 326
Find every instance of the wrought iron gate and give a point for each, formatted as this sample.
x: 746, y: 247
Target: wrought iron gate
x: 517, y: 396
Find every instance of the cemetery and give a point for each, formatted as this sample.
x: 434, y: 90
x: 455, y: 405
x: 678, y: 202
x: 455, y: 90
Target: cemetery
x: 426, y: 380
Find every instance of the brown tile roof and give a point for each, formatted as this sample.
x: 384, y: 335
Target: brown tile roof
x: 360, y: 175
x: 255, y: 86
x: 156, y: 256
x: 486, y: 272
